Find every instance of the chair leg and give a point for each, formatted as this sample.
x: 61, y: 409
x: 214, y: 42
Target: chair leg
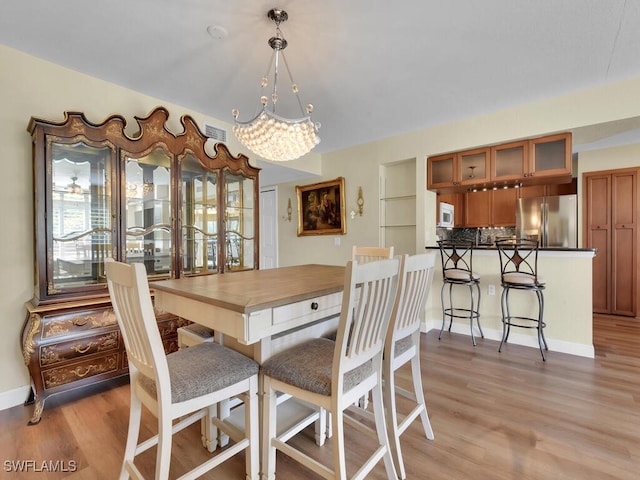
x: 321, y: 427
x: 478, y: 309
x: 165, y: 437
x: 419, y: 393
x: 251, y: 414
x: 381, y: 429
x: 443, y: 309
x: 505, y: 316
x: 209, y: 432
x: 339, y: 458
x: 471, y: 314
x: 389, y: 400
x: 450, y: 305
x: 541, y: 340
x: 135, y: 415
x: 269, y: 414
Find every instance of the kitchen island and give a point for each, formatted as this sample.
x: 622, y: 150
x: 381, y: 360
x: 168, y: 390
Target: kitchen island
x: 568, y: 300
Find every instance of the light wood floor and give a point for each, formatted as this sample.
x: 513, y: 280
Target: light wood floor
x: 495, y: 416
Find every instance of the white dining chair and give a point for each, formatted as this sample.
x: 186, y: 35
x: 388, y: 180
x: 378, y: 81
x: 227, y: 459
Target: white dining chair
x: 180, y: 388
x: 402, y: 345
x: 333, y: 375
x: 370, y: 254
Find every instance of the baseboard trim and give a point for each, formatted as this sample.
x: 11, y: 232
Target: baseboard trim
x: 516, y: 338
x: 15, y: 397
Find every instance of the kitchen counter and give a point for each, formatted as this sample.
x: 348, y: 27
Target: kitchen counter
x: 568, y: 300
x: 491, y: 246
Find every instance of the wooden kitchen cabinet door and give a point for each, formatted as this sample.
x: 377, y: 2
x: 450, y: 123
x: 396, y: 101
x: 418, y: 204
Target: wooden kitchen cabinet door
x: 504, y: 207
x: 478, y: 208
x: 611, y: 221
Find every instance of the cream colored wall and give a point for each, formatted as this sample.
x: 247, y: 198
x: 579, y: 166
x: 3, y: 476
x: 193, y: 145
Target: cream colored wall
x: 32, y: 87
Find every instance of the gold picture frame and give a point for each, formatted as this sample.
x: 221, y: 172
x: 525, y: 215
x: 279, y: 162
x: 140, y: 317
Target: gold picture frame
x: 321, y: 208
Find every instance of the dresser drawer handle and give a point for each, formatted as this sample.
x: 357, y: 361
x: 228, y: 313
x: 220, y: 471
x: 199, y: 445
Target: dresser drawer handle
x: 81, y: 374
x: 314, y: 305
x: 81, y: 321
x: 79, y: 349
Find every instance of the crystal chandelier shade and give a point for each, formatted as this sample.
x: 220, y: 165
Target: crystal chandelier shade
x: 269, y: 135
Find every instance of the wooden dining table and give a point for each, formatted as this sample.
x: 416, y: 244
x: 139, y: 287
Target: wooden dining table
x: 261, y: 312
x: 256, y: 309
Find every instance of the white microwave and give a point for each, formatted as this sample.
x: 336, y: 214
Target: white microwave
x: 446, y: 215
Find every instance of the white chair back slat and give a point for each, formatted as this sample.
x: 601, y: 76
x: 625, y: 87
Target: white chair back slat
x: 129, y: 289
x: 362, y: 334
x: 416, y: 277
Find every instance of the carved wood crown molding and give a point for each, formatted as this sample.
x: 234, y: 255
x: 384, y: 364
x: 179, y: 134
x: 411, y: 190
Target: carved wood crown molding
x: 152, y: 129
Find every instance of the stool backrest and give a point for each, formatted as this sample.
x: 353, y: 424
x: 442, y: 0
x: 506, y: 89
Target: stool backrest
x: 456, y: 255
x: 518, y: 255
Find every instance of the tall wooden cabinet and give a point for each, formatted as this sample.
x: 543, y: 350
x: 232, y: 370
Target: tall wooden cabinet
x: 611, y: 225
x: 166, y: 200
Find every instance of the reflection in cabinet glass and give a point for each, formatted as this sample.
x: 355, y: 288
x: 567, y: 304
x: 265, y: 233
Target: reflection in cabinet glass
x: 240, y: 221
x: 81, y: 213
x: 149, y: 230
x: 199, y: 218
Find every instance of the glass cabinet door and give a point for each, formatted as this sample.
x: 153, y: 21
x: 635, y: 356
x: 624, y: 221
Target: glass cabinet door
x: 81, y: 215
x: 199, y: 218
x: 239, y: 219
x: 147, y: 212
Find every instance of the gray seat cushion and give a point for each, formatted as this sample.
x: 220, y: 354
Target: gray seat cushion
x: 309, y: 366
x: 203, y: 369
x: 403, y: 345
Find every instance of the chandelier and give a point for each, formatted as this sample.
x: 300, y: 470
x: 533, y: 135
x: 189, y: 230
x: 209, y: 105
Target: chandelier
x: 270, y: 135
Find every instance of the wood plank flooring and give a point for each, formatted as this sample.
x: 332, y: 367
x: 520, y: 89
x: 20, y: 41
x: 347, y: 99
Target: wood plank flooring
x: 495, y: 416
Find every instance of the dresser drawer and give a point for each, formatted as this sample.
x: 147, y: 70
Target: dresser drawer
x: 307, y: 310
x: 77, y: 371
x: 57, y: 325
x: 60, y: 352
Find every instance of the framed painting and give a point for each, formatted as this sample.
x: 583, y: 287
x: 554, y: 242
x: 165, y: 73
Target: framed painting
x: 321, y: 208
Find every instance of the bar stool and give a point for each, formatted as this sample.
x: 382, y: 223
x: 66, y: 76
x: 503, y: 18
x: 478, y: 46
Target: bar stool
x: 457, y: 269
x: 519, y: 271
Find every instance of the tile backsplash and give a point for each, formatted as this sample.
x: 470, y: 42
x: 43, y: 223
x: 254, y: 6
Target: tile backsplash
x: 477, y: 235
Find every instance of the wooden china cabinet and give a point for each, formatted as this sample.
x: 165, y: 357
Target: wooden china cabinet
x: 170, y: 201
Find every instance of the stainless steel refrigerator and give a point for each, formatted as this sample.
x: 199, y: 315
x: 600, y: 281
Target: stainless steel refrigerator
x: 553, y: 221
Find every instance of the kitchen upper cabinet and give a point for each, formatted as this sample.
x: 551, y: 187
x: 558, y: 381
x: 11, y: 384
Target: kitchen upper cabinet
x: 510, y: 161
x: 491, y: 208
x: 550, y: 190
x: 550, y: 157
x: 458, y: 169
x: 539, y: 160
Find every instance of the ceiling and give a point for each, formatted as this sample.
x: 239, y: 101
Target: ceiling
x: 372, y: 69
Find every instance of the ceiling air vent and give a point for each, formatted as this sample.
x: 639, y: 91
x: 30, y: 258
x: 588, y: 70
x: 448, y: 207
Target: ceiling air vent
x: 216, y: 133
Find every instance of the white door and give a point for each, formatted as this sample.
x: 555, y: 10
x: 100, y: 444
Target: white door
x: 268, y: 228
